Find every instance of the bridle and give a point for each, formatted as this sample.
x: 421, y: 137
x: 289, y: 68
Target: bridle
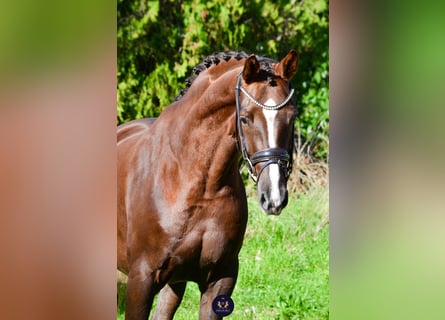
x: 270, y: 156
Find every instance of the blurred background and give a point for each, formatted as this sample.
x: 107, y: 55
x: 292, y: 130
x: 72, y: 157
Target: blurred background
x: 386, y: 159
x: 58, y: 66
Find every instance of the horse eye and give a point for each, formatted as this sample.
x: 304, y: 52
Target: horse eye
x: 244, y: 120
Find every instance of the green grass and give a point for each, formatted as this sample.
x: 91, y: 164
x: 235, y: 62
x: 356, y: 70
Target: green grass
x: 284, y: 264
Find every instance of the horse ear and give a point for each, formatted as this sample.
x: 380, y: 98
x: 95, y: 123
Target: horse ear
x: 287, y: 67
x: 251, y: 69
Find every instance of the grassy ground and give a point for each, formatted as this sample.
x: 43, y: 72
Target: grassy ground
x: 284, y: 264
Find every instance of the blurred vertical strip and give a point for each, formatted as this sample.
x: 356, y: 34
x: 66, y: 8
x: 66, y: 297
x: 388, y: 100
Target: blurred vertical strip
x: 387, y: 156
x: 57, y: 162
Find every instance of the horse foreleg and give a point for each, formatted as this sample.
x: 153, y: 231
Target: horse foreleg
x: 224, y: 285
x: 141, y: 289
x: 169, y: 300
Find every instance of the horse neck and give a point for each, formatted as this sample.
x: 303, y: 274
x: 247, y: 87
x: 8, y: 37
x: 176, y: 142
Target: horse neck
x: 205, y: 128
x: 213, y: 90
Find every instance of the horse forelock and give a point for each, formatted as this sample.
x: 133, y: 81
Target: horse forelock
x: 215, y: 58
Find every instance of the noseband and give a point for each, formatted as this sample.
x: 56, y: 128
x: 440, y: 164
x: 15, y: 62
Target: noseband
x: 270, y: 156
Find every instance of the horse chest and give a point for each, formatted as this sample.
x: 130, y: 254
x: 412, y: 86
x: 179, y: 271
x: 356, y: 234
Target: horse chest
x: 205, y: 235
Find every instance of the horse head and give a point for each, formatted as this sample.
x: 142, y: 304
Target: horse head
x: 265, y: 125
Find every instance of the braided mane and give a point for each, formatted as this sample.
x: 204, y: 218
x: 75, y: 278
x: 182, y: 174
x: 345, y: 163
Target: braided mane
x: 211, y: 60
x: 215, y: 58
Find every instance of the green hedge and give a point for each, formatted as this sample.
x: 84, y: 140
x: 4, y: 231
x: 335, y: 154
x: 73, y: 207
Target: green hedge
x: 159, y: 42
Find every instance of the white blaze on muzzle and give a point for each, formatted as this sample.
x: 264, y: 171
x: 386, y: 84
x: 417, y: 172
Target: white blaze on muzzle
x: 274, y: 169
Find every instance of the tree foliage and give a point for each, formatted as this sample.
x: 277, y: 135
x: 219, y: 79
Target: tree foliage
x: 159, y: 42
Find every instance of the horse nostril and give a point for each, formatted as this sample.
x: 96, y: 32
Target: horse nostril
x: 262, y: 198
x: 265, y: 202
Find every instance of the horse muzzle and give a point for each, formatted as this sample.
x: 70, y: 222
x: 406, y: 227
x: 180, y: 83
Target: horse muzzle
x: 272, y: 189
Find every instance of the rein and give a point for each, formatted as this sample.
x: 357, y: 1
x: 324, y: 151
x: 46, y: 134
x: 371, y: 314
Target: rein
x: 270, y: 156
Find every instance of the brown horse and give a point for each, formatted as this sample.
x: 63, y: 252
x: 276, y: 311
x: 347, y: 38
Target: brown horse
x: 182, y: 208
